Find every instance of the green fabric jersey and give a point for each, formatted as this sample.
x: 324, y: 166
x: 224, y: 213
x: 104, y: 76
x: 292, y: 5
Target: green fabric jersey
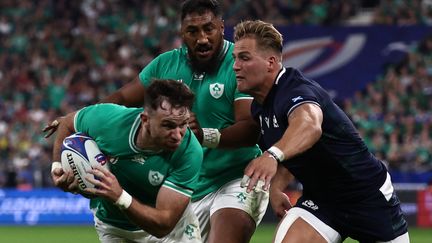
x: 214, y: 108
x: 141, y: 173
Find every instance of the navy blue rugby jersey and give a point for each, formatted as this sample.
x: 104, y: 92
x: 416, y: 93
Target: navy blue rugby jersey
x: 339, y: 166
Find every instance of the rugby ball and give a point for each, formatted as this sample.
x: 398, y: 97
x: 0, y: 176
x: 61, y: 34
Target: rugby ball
x: 80, y: 153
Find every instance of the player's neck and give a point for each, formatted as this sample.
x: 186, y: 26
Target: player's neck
x: 143, y: 139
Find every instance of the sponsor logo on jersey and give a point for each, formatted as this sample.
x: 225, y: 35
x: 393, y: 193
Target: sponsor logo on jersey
x: 262, y: 130
x: 267, y: 121
x: 139, y: 159
x: 310, y: 204
x: 216, y: 90
x: 155, y: 178
x: 275, y: 123
x: 198, y: 76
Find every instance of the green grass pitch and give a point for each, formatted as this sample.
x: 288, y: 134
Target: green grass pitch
x: 87, y: 234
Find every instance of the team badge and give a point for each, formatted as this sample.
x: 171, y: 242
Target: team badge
x: 155, y: 178
x: 191, y: 231
x: 216, y: 90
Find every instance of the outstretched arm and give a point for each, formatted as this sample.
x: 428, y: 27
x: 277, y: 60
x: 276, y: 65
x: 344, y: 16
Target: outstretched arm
x: 244, y: 132
x: 303, y: 131
x: 131, y: 95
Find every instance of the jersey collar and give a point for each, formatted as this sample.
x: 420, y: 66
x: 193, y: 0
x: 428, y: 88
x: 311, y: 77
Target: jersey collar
x: 281, y: 73
x: 133, y: 133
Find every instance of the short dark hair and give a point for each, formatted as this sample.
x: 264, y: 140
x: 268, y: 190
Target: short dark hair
x: 173, y: 91
x: 200, y: 7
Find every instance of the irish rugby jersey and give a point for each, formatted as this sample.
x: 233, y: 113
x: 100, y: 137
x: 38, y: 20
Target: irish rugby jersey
x: 141, y: 173
x: 214, y: 108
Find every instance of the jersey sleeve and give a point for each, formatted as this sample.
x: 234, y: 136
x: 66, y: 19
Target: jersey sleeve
x: 149, y: 72
x: 92, y: 120
x: 297, y: 97
x: 188, y: 160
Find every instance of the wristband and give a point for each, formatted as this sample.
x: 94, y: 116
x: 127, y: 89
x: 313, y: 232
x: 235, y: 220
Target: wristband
x: 276, y: 153
x: 211, y: 137
x: 55, y: 165
x: 124, y: 201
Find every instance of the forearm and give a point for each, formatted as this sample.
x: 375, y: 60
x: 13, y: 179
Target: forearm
x: 304, y: 130
x: 65, y: 129
x: 297, y: 141
x: 131, y: 95
x: 241, y: 134
x: 154, y: 221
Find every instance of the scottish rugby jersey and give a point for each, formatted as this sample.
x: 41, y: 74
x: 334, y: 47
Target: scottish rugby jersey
x: 214, y: 108
x: 339, y: 166
x: 141, y: 173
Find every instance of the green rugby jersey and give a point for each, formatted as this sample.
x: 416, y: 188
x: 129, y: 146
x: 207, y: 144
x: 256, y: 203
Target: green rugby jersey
x: 214, y: 108
x: 141, y: 173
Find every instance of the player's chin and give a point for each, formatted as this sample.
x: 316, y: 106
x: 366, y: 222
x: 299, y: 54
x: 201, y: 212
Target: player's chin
x: 241, y: 85
x: 204, y: 57
x: 172, y: 146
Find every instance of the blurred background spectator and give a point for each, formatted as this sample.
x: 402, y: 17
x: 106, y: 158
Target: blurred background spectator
x: 58, y: 55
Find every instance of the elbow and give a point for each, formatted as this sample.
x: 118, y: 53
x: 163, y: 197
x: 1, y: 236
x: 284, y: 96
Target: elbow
x: 316, y: 132
x: 163, y: 231
x: 311, y: 135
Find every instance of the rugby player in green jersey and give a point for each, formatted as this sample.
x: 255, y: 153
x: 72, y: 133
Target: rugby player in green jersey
x: 221, y: 121
x: 154, y: 166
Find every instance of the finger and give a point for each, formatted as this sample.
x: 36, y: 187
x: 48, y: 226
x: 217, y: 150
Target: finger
x: 252, y: 184
x: 73, y: 187
x: 49, y: 133
x: 260, y: 186
x: 61, y: 180
x: 58, y: 172
x: 267, y: 184
x: 91, y: 191
x: 92, y: 180
x: 46, y: 128
x: 245, y: 181
x: 51, y: 128
x: 103, y: 170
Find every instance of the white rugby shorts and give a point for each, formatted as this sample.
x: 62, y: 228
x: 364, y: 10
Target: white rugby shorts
x: 231, y: 195
x: 187, y: 230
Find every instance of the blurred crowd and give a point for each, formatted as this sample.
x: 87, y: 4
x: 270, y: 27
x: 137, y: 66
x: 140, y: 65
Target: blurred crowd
x: 394, y: 113
x: 59, y: 55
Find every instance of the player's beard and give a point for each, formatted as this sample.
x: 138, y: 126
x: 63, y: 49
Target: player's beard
x: 208, y: 66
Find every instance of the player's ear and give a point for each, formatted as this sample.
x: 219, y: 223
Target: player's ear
x: 272, y: 61
x: 144, y: 116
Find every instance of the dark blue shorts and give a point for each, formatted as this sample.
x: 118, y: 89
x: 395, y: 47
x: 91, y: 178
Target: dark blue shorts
x: 369, y: 220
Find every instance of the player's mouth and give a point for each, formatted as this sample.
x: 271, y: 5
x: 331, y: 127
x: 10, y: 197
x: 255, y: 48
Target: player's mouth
x: 240, y: 78
x: 173, y: 144
x: 203, y: 51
